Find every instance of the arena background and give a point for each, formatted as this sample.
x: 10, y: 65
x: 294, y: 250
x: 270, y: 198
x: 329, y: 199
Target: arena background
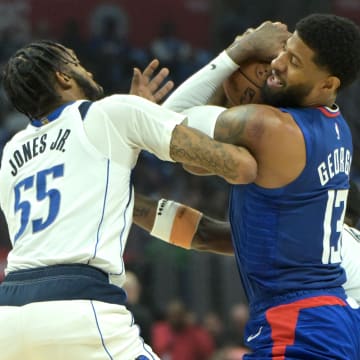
x: 110, y: 38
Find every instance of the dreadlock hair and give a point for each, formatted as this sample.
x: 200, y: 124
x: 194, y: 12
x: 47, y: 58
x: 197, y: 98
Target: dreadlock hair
x: 29, y: 77
x: 336, y: 43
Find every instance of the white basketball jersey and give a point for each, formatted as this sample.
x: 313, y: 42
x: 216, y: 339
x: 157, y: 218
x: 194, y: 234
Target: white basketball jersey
x: 66, y: 187
x: 351, y: 261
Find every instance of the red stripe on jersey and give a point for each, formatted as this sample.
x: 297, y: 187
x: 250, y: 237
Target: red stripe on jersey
x: 328, y: 113
x: 283, y: 319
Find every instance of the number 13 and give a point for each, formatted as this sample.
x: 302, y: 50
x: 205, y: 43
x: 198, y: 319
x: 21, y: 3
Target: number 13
x: 335, y: 199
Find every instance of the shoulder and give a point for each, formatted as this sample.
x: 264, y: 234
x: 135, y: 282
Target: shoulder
x: 271, y: 135
x: 131, y: 101
x: 118, y: 109
x: 255, y: 121
x: 254, y: 114
x: 255, y: 109
x: 111, y: 101
x: 134, y: 106
x: 16, y: 139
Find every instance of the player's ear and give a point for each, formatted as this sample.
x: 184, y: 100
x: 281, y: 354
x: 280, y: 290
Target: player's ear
x: 263, y: 70
x: 331, y: 83
x: 63, y: 79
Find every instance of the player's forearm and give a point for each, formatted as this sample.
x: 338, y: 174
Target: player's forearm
x: 144, y: 211
x: 198, y: 232
x: 195, y: 170
x: 233, y: 163
x: 213, y: 236
x: 195, y: 119
x: 200, y: 87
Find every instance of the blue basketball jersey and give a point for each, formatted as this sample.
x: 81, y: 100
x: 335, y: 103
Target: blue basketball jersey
x: 288, y: 239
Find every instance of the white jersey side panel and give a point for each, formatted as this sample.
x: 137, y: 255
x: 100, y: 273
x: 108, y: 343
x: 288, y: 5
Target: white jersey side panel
x: 69, y: 200
x: 351, y: 261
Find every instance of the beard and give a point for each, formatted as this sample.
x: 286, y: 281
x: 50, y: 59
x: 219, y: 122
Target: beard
x: 92, y: 90
x: 291, y: 96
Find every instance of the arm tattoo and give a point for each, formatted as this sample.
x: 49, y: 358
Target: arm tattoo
x: 247, y: 96
x: 144, y: 211
x: 194, y: 148
x: 231, y: 124
x: 141, y: 211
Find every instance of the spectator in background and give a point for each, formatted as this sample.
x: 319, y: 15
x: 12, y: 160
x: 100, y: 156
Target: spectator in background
x: 112, y: 51
x: 213, y: 323
x: 239, y: 316
x: 179, y: 338
x: 42, y: 30
x: 10, y: 40
x: 171, y: 50
x: 73, y: 39
x: 142, y: 315
x: 230, y: 353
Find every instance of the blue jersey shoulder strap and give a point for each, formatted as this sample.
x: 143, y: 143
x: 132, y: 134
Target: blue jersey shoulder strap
x: 83, y: 108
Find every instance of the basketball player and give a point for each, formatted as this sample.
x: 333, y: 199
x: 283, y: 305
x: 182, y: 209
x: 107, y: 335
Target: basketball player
x: 214, y: 236
x: 67, y: 197
x: 286, y: 226
x: 244, y: 87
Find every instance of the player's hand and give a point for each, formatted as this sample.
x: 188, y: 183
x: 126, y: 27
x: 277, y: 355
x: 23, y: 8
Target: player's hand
x: 261, y: 44
x: 150, y: 86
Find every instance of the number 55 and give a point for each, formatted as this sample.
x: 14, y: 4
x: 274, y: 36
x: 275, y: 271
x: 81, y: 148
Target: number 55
x: 41, y: 193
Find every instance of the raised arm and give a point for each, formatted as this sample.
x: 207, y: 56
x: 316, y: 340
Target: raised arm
x: 151, y: 84
x: 262, y: 44
x: 161, y: 218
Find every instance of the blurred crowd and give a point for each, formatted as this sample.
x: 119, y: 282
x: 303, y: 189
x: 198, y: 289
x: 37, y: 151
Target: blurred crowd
x: 185, y: 303
x: 177, y: 333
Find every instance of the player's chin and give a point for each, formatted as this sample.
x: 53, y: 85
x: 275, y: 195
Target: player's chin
x: 270, y: 91
x: 97, y: 93
x: 100, y: 92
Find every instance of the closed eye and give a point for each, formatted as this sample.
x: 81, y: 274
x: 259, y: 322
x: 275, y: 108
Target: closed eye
x: 294, y: 61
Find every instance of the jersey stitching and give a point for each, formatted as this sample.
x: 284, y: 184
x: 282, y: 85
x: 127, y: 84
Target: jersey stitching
x: 103, y: 210
x: 100, y: 333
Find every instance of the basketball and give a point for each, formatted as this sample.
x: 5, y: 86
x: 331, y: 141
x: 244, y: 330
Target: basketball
x: 243, y: 86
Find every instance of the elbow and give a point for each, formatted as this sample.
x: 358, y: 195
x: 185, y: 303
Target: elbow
x: 245, y: 173
x: 250, y: 172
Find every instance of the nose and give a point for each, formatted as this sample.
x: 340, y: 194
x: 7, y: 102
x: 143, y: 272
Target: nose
x: 279, y: 63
